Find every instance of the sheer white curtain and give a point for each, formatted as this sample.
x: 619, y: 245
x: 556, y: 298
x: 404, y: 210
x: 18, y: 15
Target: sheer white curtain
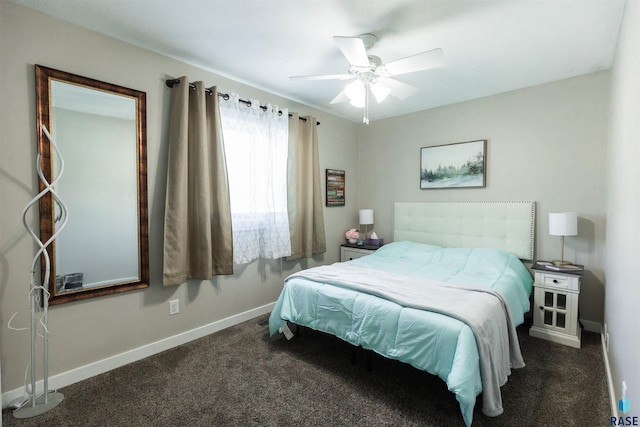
x: 256, y: 146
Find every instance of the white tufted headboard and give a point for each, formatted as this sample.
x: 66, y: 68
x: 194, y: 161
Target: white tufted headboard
x: 509, y: 226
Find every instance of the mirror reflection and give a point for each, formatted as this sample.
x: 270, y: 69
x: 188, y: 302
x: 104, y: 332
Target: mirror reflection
x: 99, y: 129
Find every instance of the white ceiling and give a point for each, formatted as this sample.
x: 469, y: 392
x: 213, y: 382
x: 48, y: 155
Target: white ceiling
x: 490, y: 46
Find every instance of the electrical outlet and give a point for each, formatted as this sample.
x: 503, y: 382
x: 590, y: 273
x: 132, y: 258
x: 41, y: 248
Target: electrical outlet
x: 174, y: 307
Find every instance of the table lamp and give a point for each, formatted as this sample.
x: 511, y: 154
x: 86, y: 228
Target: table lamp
x: 563, y: 224
x: 366, y: 218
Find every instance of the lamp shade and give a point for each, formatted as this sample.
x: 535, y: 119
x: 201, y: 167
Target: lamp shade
x: 563, y: 224
x: 366, y: 216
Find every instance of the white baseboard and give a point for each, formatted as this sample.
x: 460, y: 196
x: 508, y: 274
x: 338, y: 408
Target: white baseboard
x: 607, y: 368
x: 101, y: 366
x: 591, y: 326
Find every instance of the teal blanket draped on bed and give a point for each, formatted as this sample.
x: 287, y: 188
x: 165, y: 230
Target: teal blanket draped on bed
x: 386, y: 318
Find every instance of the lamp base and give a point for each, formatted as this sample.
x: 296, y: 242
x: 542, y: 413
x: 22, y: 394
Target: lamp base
x: 40, y: 407
x: 561, y: 262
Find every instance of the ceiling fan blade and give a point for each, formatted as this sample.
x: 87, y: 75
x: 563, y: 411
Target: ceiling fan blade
x: 353, y: 49
x: 341, y: 97
x: 419, y: 62
x: 399, y: 89
x: 324, y: 77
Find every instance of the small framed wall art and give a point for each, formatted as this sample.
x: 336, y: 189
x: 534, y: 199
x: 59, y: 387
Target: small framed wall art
x: 458, y: 165
x: 335, y: 187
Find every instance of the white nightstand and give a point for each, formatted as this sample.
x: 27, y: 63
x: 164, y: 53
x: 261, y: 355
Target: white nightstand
x: 555, y: 310
x: 349, y: 252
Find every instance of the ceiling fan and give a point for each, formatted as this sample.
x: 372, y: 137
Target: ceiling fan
x: 372, y: 76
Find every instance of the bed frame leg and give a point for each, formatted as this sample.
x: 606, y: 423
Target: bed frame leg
x: 354, y: 355
x: 369, y: 359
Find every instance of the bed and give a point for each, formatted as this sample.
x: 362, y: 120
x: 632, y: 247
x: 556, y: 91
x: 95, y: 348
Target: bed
x: 445, y: 296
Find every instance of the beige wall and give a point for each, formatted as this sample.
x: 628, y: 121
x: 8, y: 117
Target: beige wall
x: 623, y: 214
x: 546, y: 143
x: 89, y: 331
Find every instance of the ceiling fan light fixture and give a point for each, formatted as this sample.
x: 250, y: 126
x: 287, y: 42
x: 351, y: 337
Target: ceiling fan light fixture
x: 380, y: 91
x: 355, y: 92
x: 358, y: 103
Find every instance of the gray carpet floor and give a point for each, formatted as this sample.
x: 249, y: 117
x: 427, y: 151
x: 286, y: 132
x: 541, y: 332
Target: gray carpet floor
x: 242, y: 377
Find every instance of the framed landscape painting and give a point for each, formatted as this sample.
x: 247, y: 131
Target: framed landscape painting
x: 459, y: 165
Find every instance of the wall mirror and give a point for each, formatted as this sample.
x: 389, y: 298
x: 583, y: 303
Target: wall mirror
x: 100, y: 130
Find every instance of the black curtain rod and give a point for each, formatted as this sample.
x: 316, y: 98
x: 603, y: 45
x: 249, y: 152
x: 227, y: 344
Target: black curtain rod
x: 171, y: 82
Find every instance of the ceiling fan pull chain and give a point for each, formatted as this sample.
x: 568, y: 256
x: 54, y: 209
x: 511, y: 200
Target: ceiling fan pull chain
x: 365, y: 119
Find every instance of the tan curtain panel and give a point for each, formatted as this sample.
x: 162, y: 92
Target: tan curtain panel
x: 304, y: 200
x: 197, y: 223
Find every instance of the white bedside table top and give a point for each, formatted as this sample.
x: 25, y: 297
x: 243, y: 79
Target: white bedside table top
x: 544, y: 266
x: 354, y: 246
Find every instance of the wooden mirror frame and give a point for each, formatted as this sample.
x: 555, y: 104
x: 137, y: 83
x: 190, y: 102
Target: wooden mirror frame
x: 44, y: 76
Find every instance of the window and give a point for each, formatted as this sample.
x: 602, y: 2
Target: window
x: 256, y: 145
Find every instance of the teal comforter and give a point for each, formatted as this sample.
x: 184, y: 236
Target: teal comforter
x: 433, y: 342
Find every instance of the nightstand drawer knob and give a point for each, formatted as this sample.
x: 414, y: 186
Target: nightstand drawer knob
x: 555, y: 280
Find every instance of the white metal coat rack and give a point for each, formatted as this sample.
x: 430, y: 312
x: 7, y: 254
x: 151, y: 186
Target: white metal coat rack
x: 41, y: 403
